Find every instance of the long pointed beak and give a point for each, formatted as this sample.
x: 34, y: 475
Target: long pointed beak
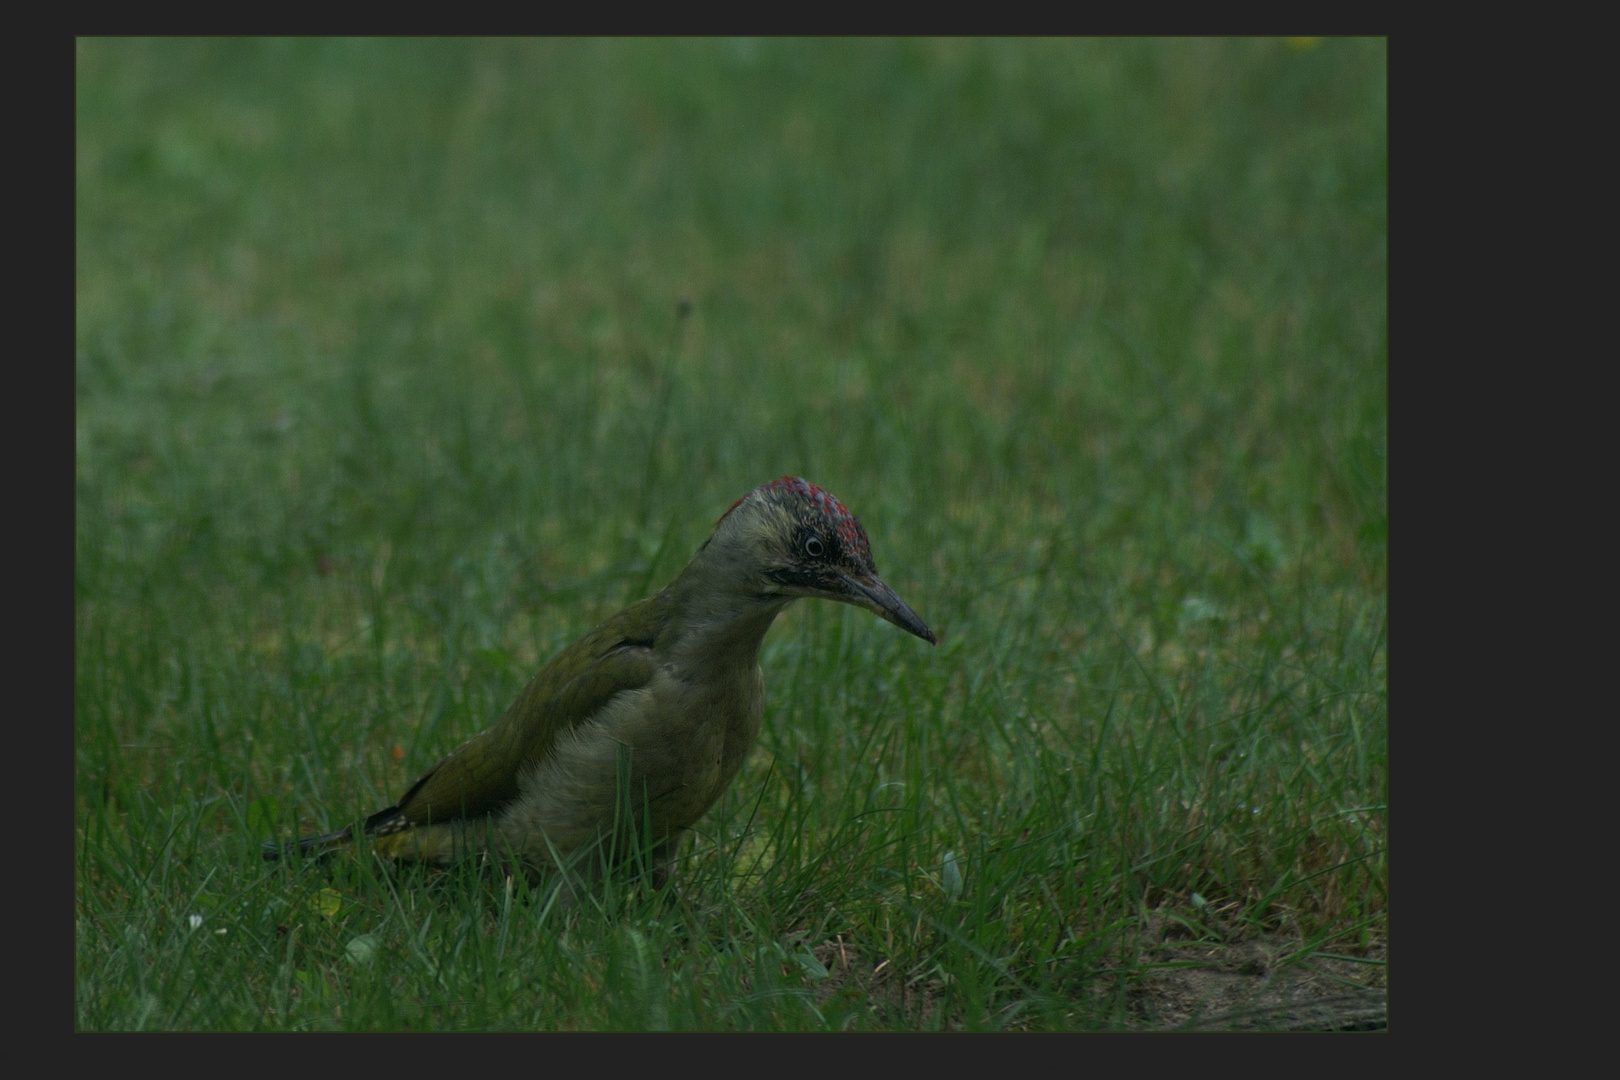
x: 872, y: 594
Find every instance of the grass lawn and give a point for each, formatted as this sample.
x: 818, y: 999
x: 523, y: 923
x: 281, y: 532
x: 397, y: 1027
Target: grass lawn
x: 400, y: 364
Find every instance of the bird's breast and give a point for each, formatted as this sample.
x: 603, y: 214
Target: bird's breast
x: 678, y: 741
x: 693, y: 742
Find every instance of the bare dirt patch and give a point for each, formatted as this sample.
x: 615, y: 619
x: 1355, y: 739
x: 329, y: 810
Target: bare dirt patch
x: 1239, y: 984
x: 1261, y: 984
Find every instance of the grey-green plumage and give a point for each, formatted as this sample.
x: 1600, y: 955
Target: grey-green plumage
x: 666, y: 695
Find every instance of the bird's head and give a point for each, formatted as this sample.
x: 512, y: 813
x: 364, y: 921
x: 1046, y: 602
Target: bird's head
x: 792, y: 539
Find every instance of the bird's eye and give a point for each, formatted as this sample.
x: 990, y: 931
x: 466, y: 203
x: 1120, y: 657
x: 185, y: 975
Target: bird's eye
x: 813, y: 546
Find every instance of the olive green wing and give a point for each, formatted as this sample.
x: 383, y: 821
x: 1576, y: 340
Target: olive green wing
x: 481, y: 776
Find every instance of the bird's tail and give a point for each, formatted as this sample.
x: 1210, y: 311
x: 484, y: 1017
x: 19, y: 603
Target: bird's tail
x: 309, y: 846
x: 381, y: 824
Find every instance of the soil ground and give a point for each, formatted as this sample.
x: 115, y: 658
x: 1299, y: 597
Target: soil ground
x: 1241, y: 984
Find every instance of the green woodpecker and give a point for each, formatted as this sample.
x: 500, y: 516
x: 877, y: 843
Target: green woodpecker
x: 636, y: 728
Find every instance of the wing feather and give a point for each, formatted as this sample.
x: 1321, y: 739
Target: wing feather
x: 481, y: 776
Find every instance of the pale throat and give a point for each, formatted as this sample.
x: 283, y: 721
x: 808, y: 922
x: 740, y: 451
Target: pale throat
x: 719, y: 624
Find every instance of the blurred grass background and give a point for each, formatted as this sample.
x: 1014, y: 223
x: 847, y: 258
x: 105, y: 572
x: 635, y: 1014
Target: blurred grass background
x: 399, y: 363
